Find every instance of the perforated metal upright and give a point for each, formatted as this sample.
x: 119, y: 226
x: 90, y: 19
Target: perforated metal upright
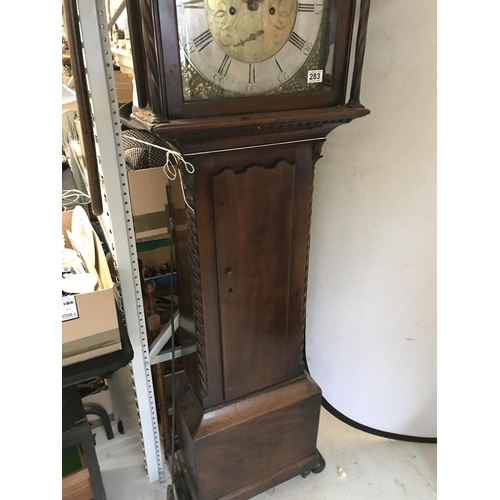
x: 117, y: 217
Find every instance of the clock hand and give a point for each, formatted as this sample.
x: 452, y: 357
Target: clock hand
x: 253, y: 36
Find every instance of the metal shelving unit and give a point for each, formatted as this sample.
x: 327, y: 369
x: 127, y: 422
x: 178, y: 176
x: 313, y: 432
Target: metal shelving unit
x: 116, y: 219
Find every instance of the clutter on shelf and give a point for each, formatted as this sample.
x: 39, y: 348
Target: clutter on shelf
x: 89, y: 314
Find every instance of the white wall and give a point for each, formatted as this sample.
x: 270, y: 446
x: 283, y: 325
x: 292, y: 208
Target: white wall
x: 371, y: 324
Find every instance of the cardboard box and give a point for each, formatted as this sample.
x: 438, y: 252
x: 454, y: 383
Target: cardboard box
x: 148, y: 197
x: 94, y: 332
x: 124, y: 86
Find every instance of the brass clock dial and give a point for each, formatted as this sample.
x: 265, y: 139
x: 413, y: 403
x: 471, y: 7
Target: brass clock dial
x: 253, y: 32
x: 245, y: 47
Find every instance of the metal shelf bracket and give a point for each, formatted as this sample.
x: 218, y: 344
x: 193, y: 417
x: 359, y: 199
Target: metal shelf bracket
x: 117, y: 217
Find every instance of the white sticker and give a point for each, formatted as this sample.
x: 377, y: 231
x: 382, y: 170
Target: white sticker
x: 315, y: 76
x: 69, y: 310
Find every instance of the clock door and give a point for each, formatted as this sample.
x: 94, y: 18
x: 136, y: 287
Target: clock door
x: 255, y: 234
x: 263, y: 56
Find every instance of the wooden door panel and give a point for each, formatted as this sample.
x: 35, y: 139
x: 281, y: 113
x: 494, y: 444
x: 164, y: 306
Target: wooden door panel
x: 253, y: 230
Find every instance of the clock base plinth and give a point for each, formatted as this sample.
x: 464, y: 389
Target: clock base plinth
x: 238, y: 450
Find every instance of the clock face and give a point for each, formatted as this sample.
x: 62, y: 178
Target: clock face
x: 253, y: 32
x: 246, y: 47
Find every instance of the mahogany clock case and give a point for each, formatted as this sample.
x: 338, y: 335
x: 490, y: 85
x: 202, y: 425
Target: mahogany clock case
x: 247, y: 414
x: 246, y: 411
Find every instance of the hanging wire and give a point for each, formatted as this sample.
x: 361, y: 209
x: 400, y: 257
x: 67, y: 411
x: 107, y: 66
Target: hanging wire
x: 72, y: 197
x: 169, y: 168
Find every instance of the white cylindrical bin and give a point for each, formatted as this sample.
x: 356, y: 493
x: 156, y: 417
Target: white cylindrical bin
x: 371, y: 312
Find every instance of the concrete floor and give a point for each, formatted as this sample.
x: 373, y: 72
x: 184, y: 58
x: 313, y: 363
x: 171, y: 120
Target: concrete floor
x: 374, y: 467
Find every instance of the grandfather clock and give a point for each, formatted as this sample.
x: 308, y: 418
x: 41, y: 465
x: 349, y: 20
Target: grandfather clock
x: 248, y: 90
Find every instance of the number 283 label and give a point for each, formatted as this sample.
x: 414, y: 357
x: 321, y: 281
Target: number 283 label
x: 315, y: 76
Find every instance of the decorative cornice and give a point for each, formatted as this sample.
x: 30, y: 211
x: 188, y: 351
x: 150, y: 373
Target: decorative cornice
x: 248, y: 124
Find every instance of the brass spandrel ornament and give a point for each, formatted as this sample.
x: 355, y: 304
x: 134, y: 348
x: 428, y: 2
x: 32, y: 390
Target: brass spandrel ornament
x: 196, y: 86
x: 299, y: 82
